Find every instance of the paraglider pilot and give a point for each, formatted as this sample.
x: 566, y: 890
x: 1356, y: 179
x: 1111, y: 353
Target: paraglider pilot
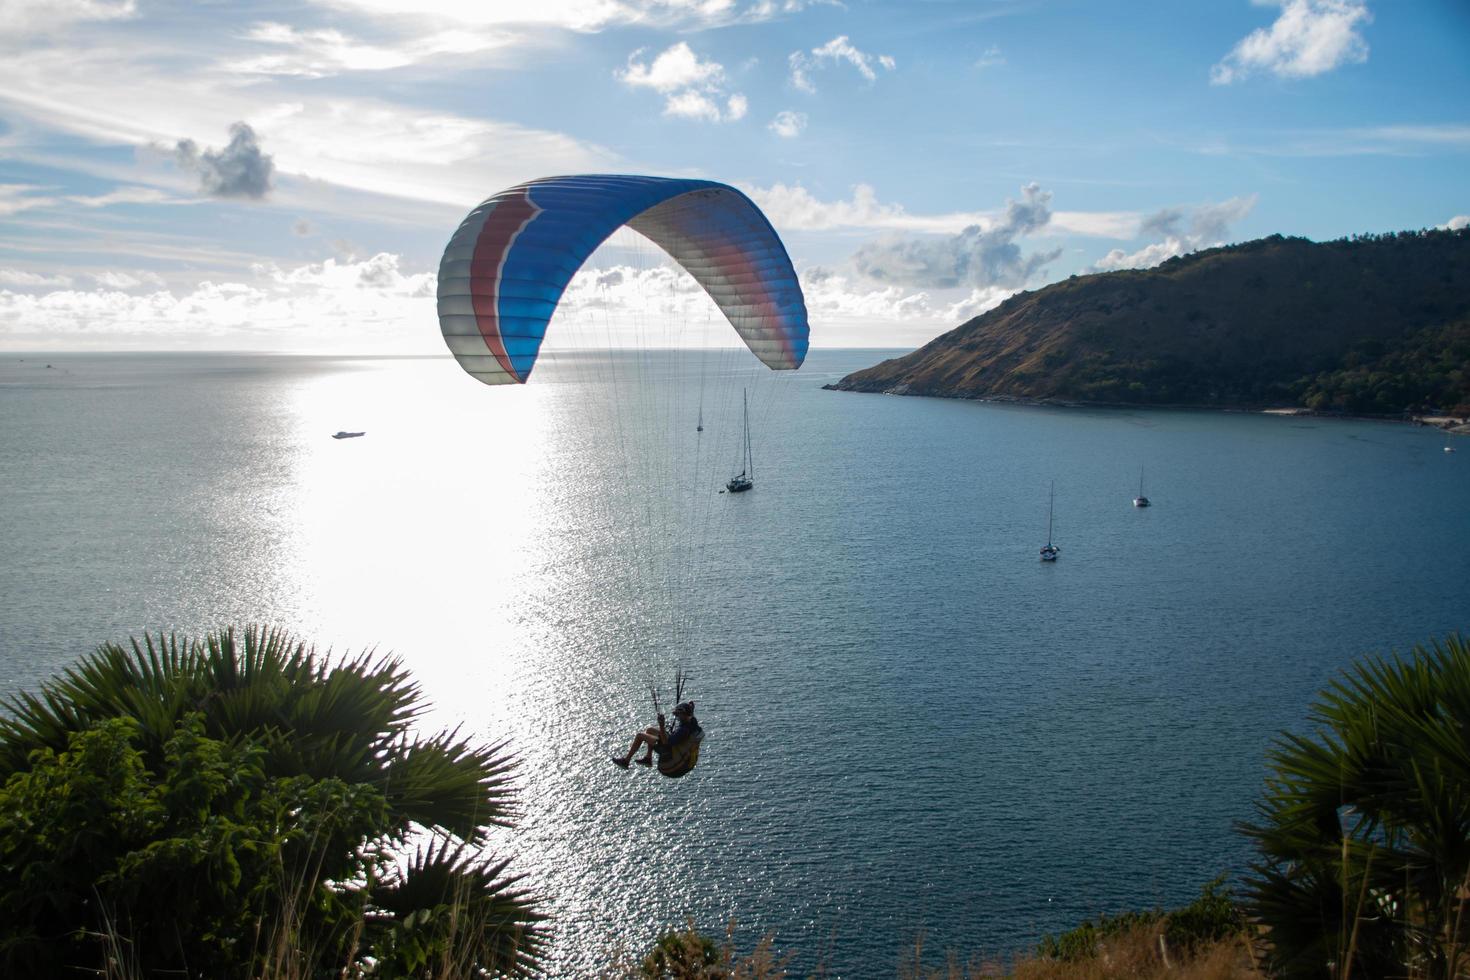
x: 674, y: 749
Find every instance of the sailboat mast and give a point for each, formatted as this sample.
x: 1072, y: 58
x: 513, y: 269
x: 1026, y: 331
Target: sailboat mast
x: 749, y: 455
x: 1050, y: 506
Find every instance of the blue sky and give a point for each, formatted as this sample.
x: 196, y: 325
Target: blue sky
x: 284, y: 175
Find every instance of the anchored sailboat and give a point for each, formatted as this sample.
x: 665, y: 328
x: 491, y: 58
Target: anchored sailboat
x: 1140, y: 500
x: 746, y: 479
x: 1050, y: 551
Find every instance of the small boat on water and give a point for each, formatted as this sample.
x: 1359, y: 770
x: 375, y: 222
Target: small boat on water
x: 746, y: 478
x: 347, y: 435
x: 1140, y: 500
x: 1050, y: 551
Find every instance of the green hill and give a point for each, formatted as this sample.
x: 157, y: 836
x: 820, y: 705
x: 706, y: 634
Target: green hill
x: 1377, y: 324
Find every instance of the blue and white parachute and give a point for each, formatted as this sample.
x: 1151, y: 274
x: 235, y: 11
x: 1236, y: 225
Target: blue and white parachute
x: 506, y: 267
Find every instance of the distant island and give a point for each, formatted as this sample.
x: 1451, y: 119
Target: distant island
x: 1369, y: 325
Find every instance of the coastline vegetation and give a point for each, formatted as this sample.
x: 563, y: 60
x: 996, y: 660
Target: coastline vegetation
x: 237, y: 806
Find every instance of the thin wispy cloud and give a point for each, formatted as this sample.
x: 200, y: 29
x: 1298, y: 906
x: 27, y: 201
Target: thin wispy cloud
x: 26, y: 17
x: 839, y: 50
x: 693, y: 88
x: 356, y: 142
x: 991, y: 58
x: 792, y: 207
x: 125, y: 195
x: 15, y: 198
x: 1310, y: 37
x: 1391, y: 140
x: 326, y: 52
x: 588, y: 15
x: 1180, y: 231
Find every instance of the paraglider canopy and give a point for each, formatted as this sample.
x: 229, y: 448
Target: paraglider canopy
x: 506, y: 267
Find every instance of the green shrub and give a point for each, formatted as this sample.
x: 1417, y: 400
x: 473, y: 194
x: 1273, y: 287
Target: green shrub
x: 1085, y: 941
x: 1211, y: 917
x: 683, y: 954
x: 234, y: 807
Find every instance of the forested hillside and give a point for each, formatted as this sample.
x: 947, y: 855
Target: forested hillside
x: 1374, y: 324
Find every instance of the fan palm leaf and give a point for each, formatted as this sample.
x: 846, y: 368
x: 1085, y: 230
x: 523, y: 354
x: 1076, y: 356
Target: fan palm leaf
x: 1364, y: 826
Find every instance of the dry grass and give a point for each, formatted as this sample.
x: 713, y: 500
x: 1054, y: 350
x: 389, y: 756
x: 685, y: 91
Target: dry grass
x: 1137, y: 954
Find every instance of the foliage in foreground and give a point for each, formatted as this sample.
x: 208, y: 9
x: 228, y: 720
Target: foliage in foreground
x: 236, y: 806
x: 1206, y: 940
x: 1209, y: 919
x: 688, y: 954
x: 1364, y: 828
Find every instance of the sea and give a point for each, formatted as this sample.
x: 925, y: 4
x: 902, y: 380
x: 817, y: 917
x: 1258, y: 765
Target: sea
x: 921, y: 740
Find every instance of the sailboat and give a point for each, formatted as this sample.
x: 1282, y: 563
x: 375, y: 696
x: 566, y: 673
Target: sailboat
x: 746, y: 479
x: 1050, y: 551
x: 1140, y: 500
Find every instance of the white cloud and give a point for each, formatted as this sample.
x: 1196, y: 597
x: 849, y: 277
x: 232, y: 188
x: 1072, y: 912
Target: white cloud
x: 788, y: 124
x: 587, y: 15
x: 676, y: 68
x: 1310, y: 37
x: 109, y: 279
x: 366, y: 144
x: 692, y: 105
x: 847, y: 311
x: 320, y: 53
x: 21, y: 17
x: 692, y: 88
x: 1183, y: 231
x: 1458, y: 222
x: 795, y: 209
x: 363, y: 304
x: 979, y: 257
x: 979, y: 301
x: 839, y: 49
x: 30, y: 280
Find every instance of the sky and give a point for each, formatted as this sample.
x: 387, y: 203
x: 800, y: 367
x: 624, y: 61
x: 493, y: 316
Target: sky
x: 283, y: 176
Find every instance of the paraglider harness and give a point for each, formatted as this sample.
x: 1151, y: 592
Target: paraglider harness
x: 677, y: 760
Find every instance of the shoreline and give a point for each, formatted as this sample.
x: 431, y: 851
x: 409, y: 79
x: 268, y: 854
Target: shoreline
x: 1446, y: 423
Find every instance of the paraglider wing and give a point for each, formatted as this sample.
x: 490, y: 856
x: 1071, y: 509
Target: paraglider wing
x: 506, y: 267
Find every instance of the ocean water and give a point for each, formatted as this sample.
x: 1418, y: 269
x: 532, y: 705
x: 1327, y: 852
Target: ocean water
x: 914, y: 727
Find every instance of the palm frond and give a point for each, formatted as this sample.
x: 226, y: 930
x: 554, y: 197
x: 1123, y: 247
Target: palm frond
x: 451, y: 783
x: 460, y: 914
